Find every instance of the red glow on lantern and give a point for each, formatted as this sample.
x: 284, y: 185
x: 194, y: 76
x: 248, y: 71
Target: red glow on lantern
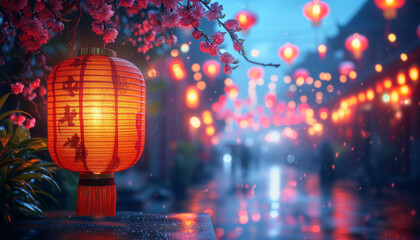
x: 316, y: 11
x: 177, y: 69
x: 255, y: 73
x: 322, y: 51
x: 300, y: 72
x: 270, y: 100
x: 211, y: 68
x: 246, y: 19
x: 357, y: 43
x: 389, y: 7
x: 288, y: 52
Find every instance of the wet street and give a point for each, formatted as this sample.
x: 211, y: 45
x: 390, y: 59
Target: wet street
x: 277, y: 202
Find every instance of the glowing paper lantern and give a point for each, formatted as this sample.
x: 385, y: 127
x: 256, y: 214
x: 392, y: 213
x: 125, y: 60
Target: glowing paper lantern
x: 232, y: 91
x: 177, y: 69
x: 211, y: 68
x: 389, y: 7
x: 315, y: 11
x: 96, y: 108
x: 346, y: 67
x: 255, y: 73
x: 288, y: 52
x: 323, y: 113
x: 300, y: 73
x: 191, y: 97
x: 322, y: 50
x: 270, y: 100
x: 356, y: 44
x: 246, y: 19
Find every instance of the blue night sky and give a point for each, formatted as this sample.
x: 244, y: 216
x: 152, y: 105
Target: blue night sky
x: 279, y: 22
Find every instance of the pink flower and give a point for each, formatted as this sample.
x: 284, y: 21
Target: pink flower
x: 13, y: 5
x: 237, y: 46
x: 35, y: 84
x: 56, y: 5
x: 32, y: 27
x: 214, y: 12
x: 126, y: 3
x: 204, y: 47
x: 218, y: 38
x: 110, y: 34
x: 171, y: 20
x: 170, y: 3
x: 103, y: 13
x: 17, y: 120
x: 17, y: 88
x: 197, y: 34
x: 42, y: 91
x: 31, y: 96
x: 27, y: 91
x: 97, y: 27
x: 58, y: 26
x: 211, y: 49
x: 226, y: 58
x: 227, y: 69
x: 30, y: 123
x: 232, y: 24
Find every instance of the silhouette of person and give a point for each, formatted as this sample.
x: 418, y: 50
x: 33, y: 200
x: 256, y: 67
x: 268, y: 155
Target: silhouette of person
x: 327, y: 173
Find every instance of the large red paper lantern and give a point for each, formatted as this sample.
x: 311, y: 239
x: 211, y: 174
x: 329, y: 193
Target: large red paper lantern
x: 96, y: 108
x: 357, y: 43
x: 288, y: 52
x: 389, y: 7
x: 315, y: 11
x: 246, y: 19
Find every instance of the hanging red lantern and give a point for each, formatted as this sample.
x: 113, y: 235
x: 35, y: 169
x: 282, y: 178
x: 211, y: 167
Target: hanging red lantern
x: 246, y: 19
x: 255, y: 73
x: 356, y: 43
x: 389, y: 7
x: 315, y: 11
x: 191, y: 97
x: 300, y: 73
x: 270, y: 100
x: 96, y: 107
x: 346, y: 67
x: 232, y: 91
x: 288, y: 52
x: 322, y: 51
x: 211, y: 68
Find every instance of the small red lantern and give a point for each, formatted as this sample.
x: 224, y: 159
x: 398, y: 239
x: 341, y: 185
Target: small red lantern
x: 246, y: 19
x: 315, y: 11
x: 322, y: 51
x: 232, y: 91
x: 300, y: 73
x: 96, y: 109
x: 389, y: 7
x: 356, y: 43
x: 177, y: 69
x: 191, y: 97
x: 288, y: 52
x: 270, y: 100
x: 323, y: 113
x: 211, y: 68
x: 346, y: 67
x: 255, y: 73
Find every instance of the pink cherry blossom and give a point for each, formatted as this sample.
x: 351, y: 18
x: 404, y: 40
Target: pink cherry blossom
x: 218, y: 38
x: 227, y: 69
x: 14, y: 5
x: 30, y: 123
x: 214, y: 12
x: 110, y: 34
x: 102, y: 13
x: 17, y: 88
x: 170, y: 3
x: 57, y: 26
x: 27, y: 91
x: 237, y: 46
x: 42, y: 91
x: 126, y: 3
x: 226, y: 58
x: 17, y: 120
x: 35, y: 84
x: 56, y: 5
x: 197, y: 34
x: 171, y: 20
x: 97, y: 27
x: 232, y: 24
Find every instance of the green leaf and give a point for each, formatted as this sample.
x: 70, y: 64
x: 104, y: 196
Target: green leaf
x: 13, y: 111
x: 4, y: 98
x: 40, y: 192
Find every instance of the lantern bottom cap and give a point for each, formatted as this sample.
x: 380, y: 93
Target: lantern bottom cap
x: 96, y: 195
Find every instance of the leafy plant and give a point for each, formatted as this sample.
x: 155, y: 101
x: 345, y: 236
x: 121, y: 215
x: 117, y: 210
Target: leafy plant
x: 23, y: 176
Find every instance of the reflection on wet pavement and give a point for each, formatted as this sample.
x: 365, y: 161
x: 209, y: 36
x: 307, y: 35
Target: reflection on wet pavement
x: 281, y: 203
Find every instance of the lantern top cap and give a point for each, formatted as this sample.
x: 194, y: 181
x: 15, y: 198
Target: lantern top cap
x: 97, y: 51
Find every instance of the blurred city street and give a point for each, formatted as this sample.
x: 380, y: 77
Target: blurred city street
x: 278, y: 202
